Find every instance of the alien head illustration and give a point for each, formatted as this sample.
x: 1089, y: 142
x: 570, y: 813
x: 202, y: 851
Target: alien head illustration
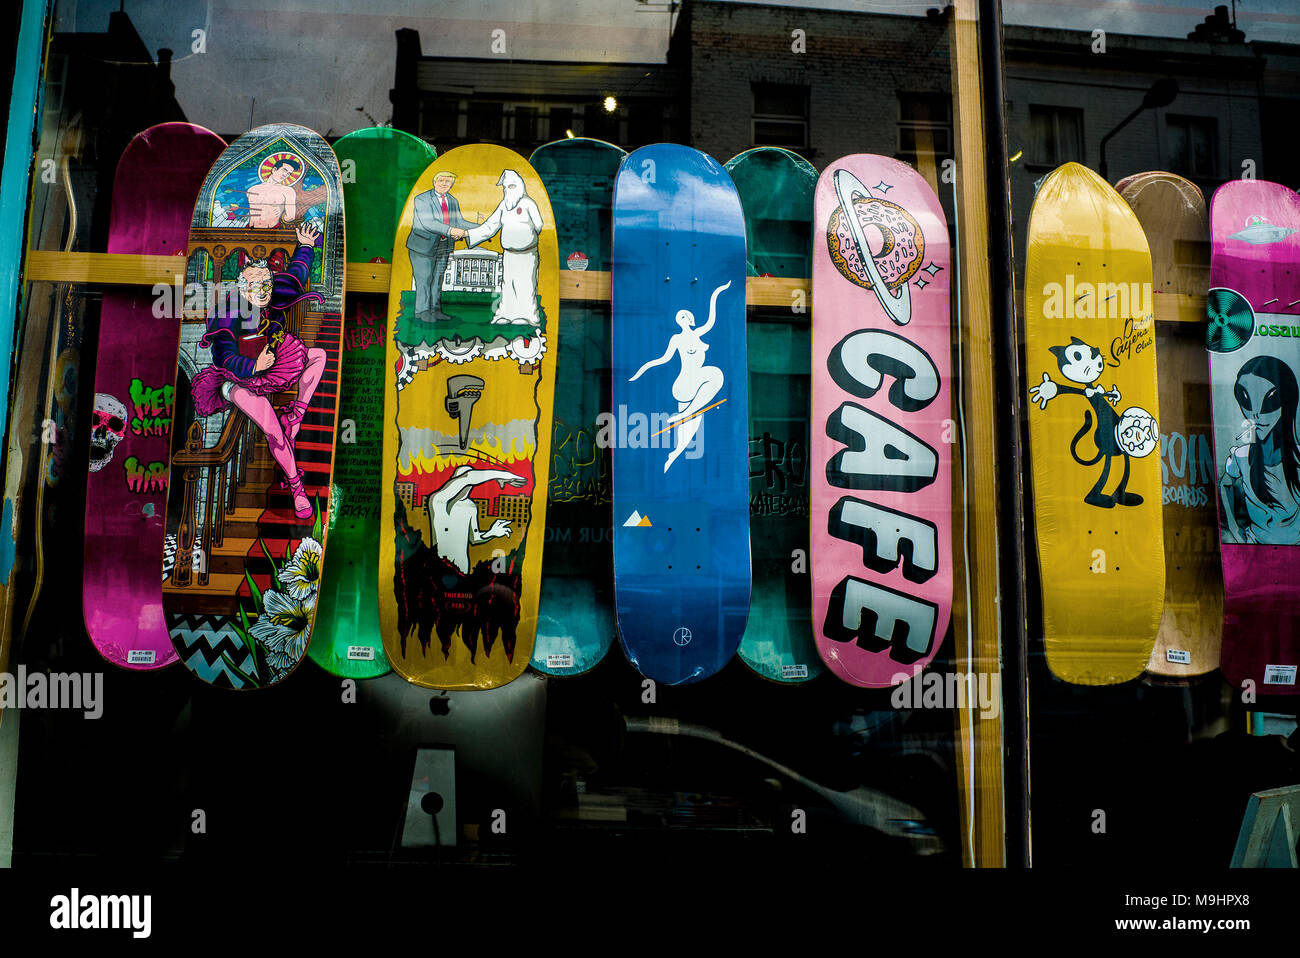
x: 462, y: 393
x: 107, y: 428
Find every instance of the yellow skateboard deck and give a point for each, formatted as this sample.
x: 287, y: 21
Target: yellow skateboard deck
x: 1173, y: 216
x: 1093, y: 429
x: 473, y: 318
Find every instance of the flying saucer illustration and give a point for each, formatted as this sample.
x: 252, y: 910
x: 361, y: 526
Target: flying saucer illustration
x: 888, y: 272
x: 1259, y: 232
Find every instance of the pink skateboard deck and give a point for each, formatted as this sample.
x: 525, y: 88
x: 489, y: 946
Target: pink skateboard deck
x: 130, y: 442
x: 882, y: 426
x: 1254, y: 342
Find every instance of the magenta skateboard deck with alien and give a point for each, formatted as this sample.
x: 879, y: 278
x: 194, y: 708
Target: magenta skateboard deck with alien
x: 882, y: 422
x: 1254, y: 341
x: 256, y: 400
x: 130, y: 443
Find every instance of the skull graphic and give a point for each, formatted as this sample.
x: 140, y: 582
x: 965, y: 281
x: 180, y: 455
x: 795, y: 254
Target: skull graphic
x: 107, y: 429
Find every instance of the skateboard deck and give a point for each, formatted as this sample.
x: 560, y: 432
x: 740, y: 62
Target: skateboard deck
x: 776, y: 193
x: 1172, y: 213
x: 883, y: 428
x: 257, y: 393
x: 1254, y: 341
x: 681, y: 517
x: 56, y: 314
x: 16, y: 171
x: 575, y: 627
x: 130, y: 430
x: 1093, y: 429
x: 473, y: 313
x: 379, y: 165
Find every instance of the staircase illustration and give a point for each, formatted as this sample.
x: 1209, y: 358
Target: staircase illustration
x: 257, y: 513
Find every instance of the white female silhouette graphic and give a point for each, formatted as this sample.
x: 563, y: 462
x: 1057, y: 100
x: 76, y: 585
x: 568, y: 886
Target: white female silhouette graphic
x: 697, y: 384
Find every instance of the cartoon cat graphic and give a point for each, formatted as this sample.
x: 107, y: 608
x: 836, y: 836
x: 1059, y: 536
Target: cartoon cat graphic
x: 1081, y: 363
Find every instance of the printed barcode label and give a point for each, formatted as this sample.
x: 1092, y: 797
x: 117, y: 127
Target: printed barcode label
x: 560, y: 660
x: 1279, y: 674
x: 1178, y: 656
x: 794, y: 671
x: 141, y: 657
x: 361, y: 653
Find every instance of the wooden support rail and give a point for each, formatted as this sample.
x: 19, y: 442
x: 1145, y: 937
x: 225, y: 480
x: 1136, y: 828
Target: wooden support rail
x: 575, y: 285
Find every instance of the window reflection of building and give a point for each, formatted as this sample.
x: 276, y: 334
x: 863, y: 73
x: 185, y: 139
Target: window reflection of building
x: 780, y: 115
x: 924, y: 126
x: 1055, y: 136
x: 1193, y: 145
x: 523, y: 104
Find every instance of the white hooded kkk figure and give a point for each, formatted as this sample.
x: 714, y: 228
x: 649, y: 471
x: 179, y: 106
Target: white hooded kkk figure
x: 519, y: 221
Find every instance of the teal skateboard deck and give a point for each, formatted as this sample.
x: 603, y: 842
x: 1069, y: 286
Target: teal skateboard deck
x: 575, y: 626
x: 378, y: 166
x: 776, y: 190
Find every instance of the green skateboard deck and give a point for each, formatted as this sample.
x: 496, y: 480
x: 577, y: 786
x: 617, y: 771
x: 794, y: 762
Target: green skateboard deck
x: 379, y: 166
x: 776, y: 192
x: 575, y: 625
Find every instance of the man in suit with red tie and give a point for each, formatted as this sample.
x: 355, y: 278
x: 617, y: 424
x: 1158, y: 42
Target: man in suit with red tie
x: 435, y: 227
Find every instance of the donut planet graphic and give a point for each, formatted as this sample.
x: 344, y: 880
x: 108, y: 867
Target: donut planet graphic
x: 888, y: 272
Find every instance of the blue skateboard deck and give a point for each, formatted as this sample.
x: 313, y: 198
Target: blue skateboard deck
x: 681, y: 488
x: 575, y: 624
x: 776, y: 190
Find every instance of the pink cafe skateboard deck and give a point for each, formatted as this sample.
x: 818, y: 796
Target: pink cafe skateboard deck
x: 157, y: 179
x: 1254, y: 340
x: 882, y: 426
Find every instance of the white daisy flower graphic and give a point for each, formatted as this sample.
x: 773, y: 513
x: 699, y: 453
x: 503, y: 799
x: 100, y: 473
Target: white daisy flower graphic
x: 301, y: 574
x: 283, y: 629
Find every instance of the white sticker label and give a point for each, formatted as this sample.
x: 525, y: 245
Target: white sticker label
x: 794, y: 671
x: 560, y: 660
x: 1178, y: 656
x: 1279, y: 674
x: 141, y: 657
x: 361, y: 653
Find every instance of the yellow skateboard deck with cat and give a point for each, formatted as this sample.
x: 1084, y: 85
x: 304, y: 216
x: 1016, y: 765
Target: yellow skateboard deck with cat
x: 1093, y: 429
